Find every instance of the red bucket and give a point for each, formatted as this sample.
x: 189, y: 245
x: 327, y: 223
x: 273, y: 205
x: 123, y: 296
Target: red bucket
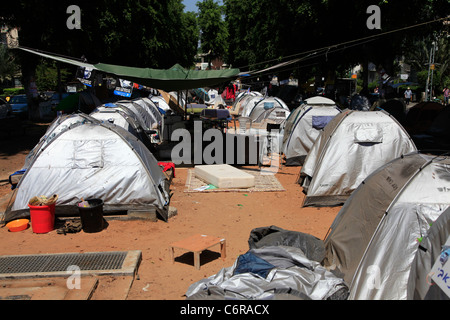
x: 42, y: 218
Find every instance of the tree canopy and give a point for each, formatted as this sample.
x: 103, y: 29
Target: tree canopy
x: 323, y: 33
x: 213, y: 34
x: 139, y: 33
x: 326, y: 35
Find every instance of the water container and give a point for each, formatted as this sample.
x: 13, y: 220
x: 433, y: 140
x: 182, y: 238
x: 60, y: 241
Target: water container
x: 42, y: 218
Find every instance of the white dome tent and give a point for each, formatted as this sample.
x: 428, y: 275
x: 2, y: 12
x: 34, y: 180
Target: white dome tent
x: 269, y: 108
x: 304, y: 126
x: 160, y: 103
x: 243, y: 99
x: 155, y: 127
x: 58, y: 125
x: 248, y: 104
x: 122, y: 117
x: 396, y: 221
x: 352, y: 145
x: 142, y: 114
x: 94, y: 160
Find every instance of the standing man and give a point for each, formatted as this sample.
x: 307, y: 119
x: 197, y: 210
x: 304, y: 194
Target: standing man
x: 408, y: 95
x: 446, y: 95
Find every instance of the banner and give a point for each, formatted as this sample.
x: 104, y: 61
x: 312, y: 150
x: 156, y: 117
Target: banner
x: 124, y: 88
x: 88, y: 76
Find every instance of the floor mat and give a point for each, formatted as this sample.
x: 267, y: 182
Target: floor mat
x: 263, y: 183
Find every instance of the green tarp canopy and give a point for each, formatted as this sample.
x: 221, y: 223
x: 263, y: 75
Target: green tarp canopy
x: 175, y: 78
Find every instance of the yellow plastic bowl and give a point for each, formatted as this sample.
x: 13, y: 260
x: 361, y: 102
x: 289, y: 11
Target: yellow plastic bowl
x: 18, y: 225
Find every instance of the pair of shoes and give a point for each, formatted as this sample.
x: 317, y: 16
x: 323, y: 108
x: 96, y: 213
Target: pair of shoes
x: 71, y: 226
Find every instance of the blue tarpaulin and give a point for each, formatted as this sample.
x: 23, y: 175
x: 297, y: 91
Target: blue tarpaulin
x: 251, y: 263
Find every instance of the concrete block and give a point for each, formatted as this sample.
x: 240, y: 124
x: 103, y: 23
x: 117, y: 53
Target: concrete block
x: 224, y: 176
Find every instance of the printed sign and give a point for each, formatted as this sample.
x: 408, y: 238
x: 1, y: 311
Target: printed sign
x: 86, y: 76
x: 441, y: 269
x: 124, y: 89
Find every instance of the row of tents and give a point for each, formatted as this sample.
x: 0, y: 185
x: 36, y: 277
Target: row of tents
x: 382, y: 244
x: 259, y: 109
x: 390, y: 231
x: 394, y: 220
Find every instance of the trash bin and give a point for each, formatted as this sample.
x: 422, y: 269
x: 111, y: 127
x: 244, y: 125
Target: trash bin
x: 91, y: 215
x: 42, y: 218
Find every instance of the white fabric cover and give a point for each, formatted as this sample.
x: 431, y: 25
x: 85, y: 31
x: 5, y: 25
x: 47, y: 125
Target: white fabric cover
x: 94, y: 161
x: 300, y: 133
x: 351, y: 147
x: 384, y: 237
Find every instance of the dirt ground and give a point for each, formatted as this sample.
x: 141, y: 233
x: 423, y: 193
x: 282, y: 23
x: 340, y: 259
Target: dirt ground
x: 229, y: 215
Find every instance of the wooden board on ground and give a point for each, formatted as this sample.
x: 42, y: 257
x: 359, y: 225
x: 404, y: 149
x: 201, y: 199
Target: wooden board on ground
x: 47, y: 289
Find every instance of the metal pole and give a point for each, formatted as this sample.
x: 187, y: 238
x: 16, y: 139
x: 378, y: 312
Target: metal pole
x: 428, y: 76
x: 432, y: 70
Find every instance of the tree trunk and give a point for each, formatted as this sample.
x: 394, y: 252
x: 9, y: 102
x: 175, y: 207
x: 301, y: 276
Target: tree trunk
x: 28, y: 80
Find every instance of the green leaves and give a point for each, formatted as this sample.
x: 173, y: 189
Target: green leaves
x: 143, y: 33
x: 213, y: 29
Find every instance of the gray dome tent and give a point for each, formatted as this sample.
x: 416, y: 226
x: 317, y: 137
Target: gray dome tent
x: 124, y: 118
x: 352, y: 145
x: 269, y: 108
x: 58, y: 125
x: 143, y: 114
x: 248, y: 103
x: 304, y: 126
x: 155, y: 126
x: 160, y: 103
x: 393, y: 225
x: 94, y: 160
x: 243, y: 99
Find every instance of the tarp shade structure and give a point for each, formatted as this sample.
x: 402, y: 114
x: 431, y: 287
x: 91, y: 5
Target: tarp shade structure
x: 175, y: 78
x: 351, y: 146
x: 395, y: 221
x: 59, y: 58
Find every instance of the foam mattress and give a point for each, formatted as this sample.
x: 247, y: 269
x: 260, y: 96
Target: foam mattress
x: 224, y: 176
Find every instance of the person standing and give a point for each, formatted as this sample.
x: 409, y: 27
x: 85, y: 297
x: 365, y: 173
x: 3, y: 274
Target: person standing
x: 408, y: 95
x: 446, y: 95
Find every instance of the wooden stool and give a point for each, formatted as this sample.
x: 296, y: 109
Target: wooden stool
x: 197, y: 244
